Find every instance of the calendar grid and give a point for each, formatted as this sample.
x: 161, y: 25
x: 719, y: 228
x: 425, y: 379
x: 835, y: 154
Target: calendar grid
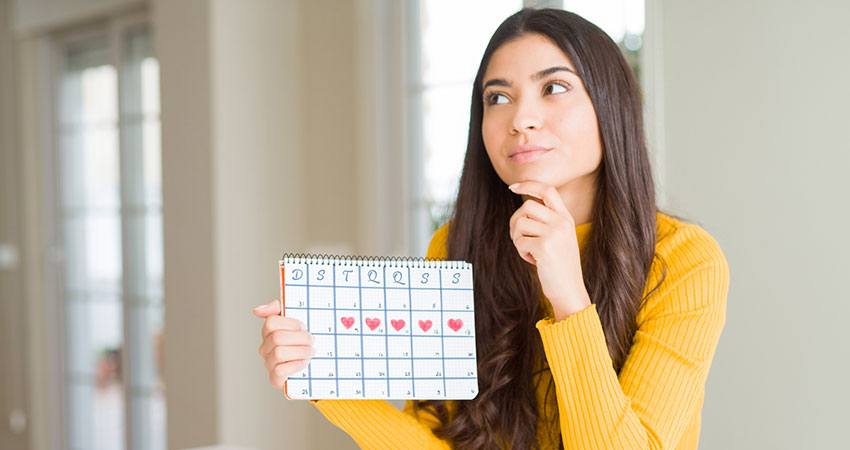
x: 336, y: 338
x: 309, y: 373
x: 410, y: 304
x: 416, y: 364
x: 415, y: 310
x: 391, y: 288
x: 386, y: 334
x: 360, y: 303
x: 442, y: 332
x: 421, y: 336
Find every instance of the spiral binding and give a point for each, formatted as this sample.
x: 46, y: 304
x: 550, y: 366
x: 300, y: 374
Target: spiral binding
x: 373, y: 261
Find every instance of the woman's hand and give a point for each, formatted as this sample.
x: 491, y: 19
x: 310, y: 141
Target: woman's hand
x: 544, y: 235
x: 287, y: 347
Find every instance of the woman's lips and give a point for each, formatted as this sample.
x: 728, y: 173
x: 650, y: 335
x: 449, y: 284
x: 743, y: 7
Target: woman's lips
x: 528, y: 156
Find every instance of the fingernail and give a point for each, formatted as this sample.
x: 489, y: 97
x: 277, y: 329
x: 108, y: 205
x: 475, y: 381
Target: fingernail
x: 513, y: 186
x: 259, y: 307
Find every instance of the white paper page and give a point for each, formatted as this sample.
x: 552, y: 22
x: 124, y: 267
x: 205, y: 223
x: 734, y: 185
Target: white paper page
x: 384, y: 329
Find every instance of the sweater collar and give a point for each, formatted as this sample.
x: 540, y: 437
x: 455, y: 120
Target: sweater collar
x: 581, y: 234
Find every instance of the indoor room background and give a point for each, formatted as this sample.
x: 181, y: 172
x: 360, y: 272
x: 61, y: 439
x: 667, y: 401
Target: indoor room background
x: 157, y: 157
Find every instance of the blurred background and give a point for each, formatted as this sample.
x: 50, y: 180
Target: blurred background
x: 157, y: 157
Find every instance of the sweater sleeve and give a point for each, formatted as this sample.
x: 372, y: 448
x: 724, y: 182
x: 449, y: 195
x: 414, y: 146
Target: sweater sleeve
x: 663, y: 377
x: 377, y: 424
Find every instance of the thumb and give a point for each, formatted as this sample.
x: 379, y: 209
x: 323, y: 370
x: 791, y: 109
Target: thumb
x: 270, y: 308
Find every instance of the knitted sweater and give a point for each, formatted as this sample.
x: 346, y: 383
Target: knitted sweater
x: 654, y: 402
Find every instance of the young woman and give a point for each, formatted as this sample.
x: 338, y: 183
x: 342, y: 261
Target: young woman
x: 597, y: 316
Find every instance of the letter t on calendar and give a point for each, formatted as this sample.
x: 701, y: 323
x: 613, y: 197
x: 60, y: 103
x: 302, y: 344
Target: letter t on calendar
x: 384, y: 329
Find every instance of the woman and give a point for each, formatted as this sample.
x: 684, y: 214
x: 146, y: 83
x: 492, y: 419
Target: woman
x: 597, y: 315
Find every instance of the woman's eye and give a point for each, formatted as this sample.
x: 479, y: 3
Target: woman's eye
x: 554, y: 86
x: 492, y: 99
x: 551, y: 88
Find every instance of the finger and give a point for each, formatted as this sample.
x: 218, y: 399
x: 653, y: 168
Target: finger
x: 525, y: 247
x: 527, y: 227
x: 535, y: 211
x: 282, y: 354
x: 274, y: 323
x: 263, y: 311
x: 284, y: 337
x: 543, y: 191
x: 282, y: 371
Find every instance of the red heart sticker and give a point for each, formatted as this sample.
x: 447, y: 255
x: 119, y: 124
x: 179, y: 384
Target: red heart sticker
x: 347, y: 321
x: 397, y: 324
x: 455, y: 324
x: 373, y: 323
x: 425, y: 325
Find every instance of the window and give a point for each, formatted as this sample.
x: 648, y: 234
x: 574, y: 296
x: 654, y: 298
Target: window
x: 442, y: 70
x: 623, y: 20
x: 108, y: 213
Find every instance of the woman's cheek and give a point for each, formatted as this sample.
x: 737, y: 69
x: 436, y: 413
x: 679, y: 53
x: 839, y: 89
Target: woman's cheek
x: 487, y: 133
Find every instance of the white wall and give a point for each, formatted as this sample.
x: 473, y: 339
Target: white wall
x: 190, y: 356
x: 259, y: 194
x: 757, y: 150
x: 13, y: 375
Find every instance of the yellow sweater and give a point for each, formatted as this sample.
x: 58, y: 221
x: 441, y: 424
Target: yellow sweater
x: 656, y: 400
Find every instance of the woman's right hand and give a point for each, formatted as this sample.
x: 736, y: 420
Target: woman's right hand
x: 287, y: 347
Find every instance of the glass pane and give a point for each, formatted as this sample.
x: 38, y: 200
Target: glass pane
x: 152, y: 165
x: 80, y: 426
x: 143, y: 194
x: 144, y: 282
x: 94, y: 346
x: 618, y: 18
x: 623, y: 20
x: 93, y: 252
x: 89, y: 86
x: 111, y: 183
x: 445, y: 132
x: 147, y: 391
x: 89, y: 174
x: 153, y: 250
x: 447, y: 59
x: 150, y: 79
x: 89, y: 158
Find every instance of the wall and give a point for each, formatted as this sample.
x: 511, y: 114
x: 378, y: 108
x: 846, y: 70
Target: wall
x: 181, y: 44
x: 13, y: 384
x: 328, y: 67
x: 261, y: 150
x: 757, y: 151
x: 35, y: 16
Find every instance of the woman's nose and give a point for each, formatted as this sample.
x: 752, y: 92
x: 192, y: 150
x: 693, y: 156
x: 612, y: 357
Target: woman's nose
x: 526, y: 118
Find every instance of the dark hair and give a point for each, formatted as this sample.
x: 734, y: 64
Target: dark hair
x: 616, y: 259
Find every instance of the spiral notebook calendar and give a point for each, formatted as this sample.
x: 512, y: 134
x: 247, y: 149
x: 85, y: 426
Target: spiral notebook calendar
x: 385, y: 328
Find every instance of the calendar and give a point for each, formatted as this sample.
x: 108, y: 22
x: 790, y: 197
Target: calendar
x: 384, y: 328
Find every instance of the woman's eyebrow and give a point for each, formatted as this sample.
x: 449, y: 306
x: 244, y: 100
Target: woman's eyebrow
x: 535, y: 77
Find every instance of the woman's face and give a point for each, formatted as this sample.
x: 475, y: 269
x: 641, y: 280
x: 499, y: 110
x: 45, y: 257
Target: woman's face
x: 532, y: 96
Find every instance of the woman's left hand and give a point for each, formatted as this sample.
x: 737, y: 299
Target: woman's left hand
x: 544, y: 235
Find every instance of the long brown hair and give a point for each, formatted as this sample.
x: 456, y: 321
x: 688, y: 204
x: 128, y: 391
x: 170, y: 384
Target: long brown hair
x: 616, y: 259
